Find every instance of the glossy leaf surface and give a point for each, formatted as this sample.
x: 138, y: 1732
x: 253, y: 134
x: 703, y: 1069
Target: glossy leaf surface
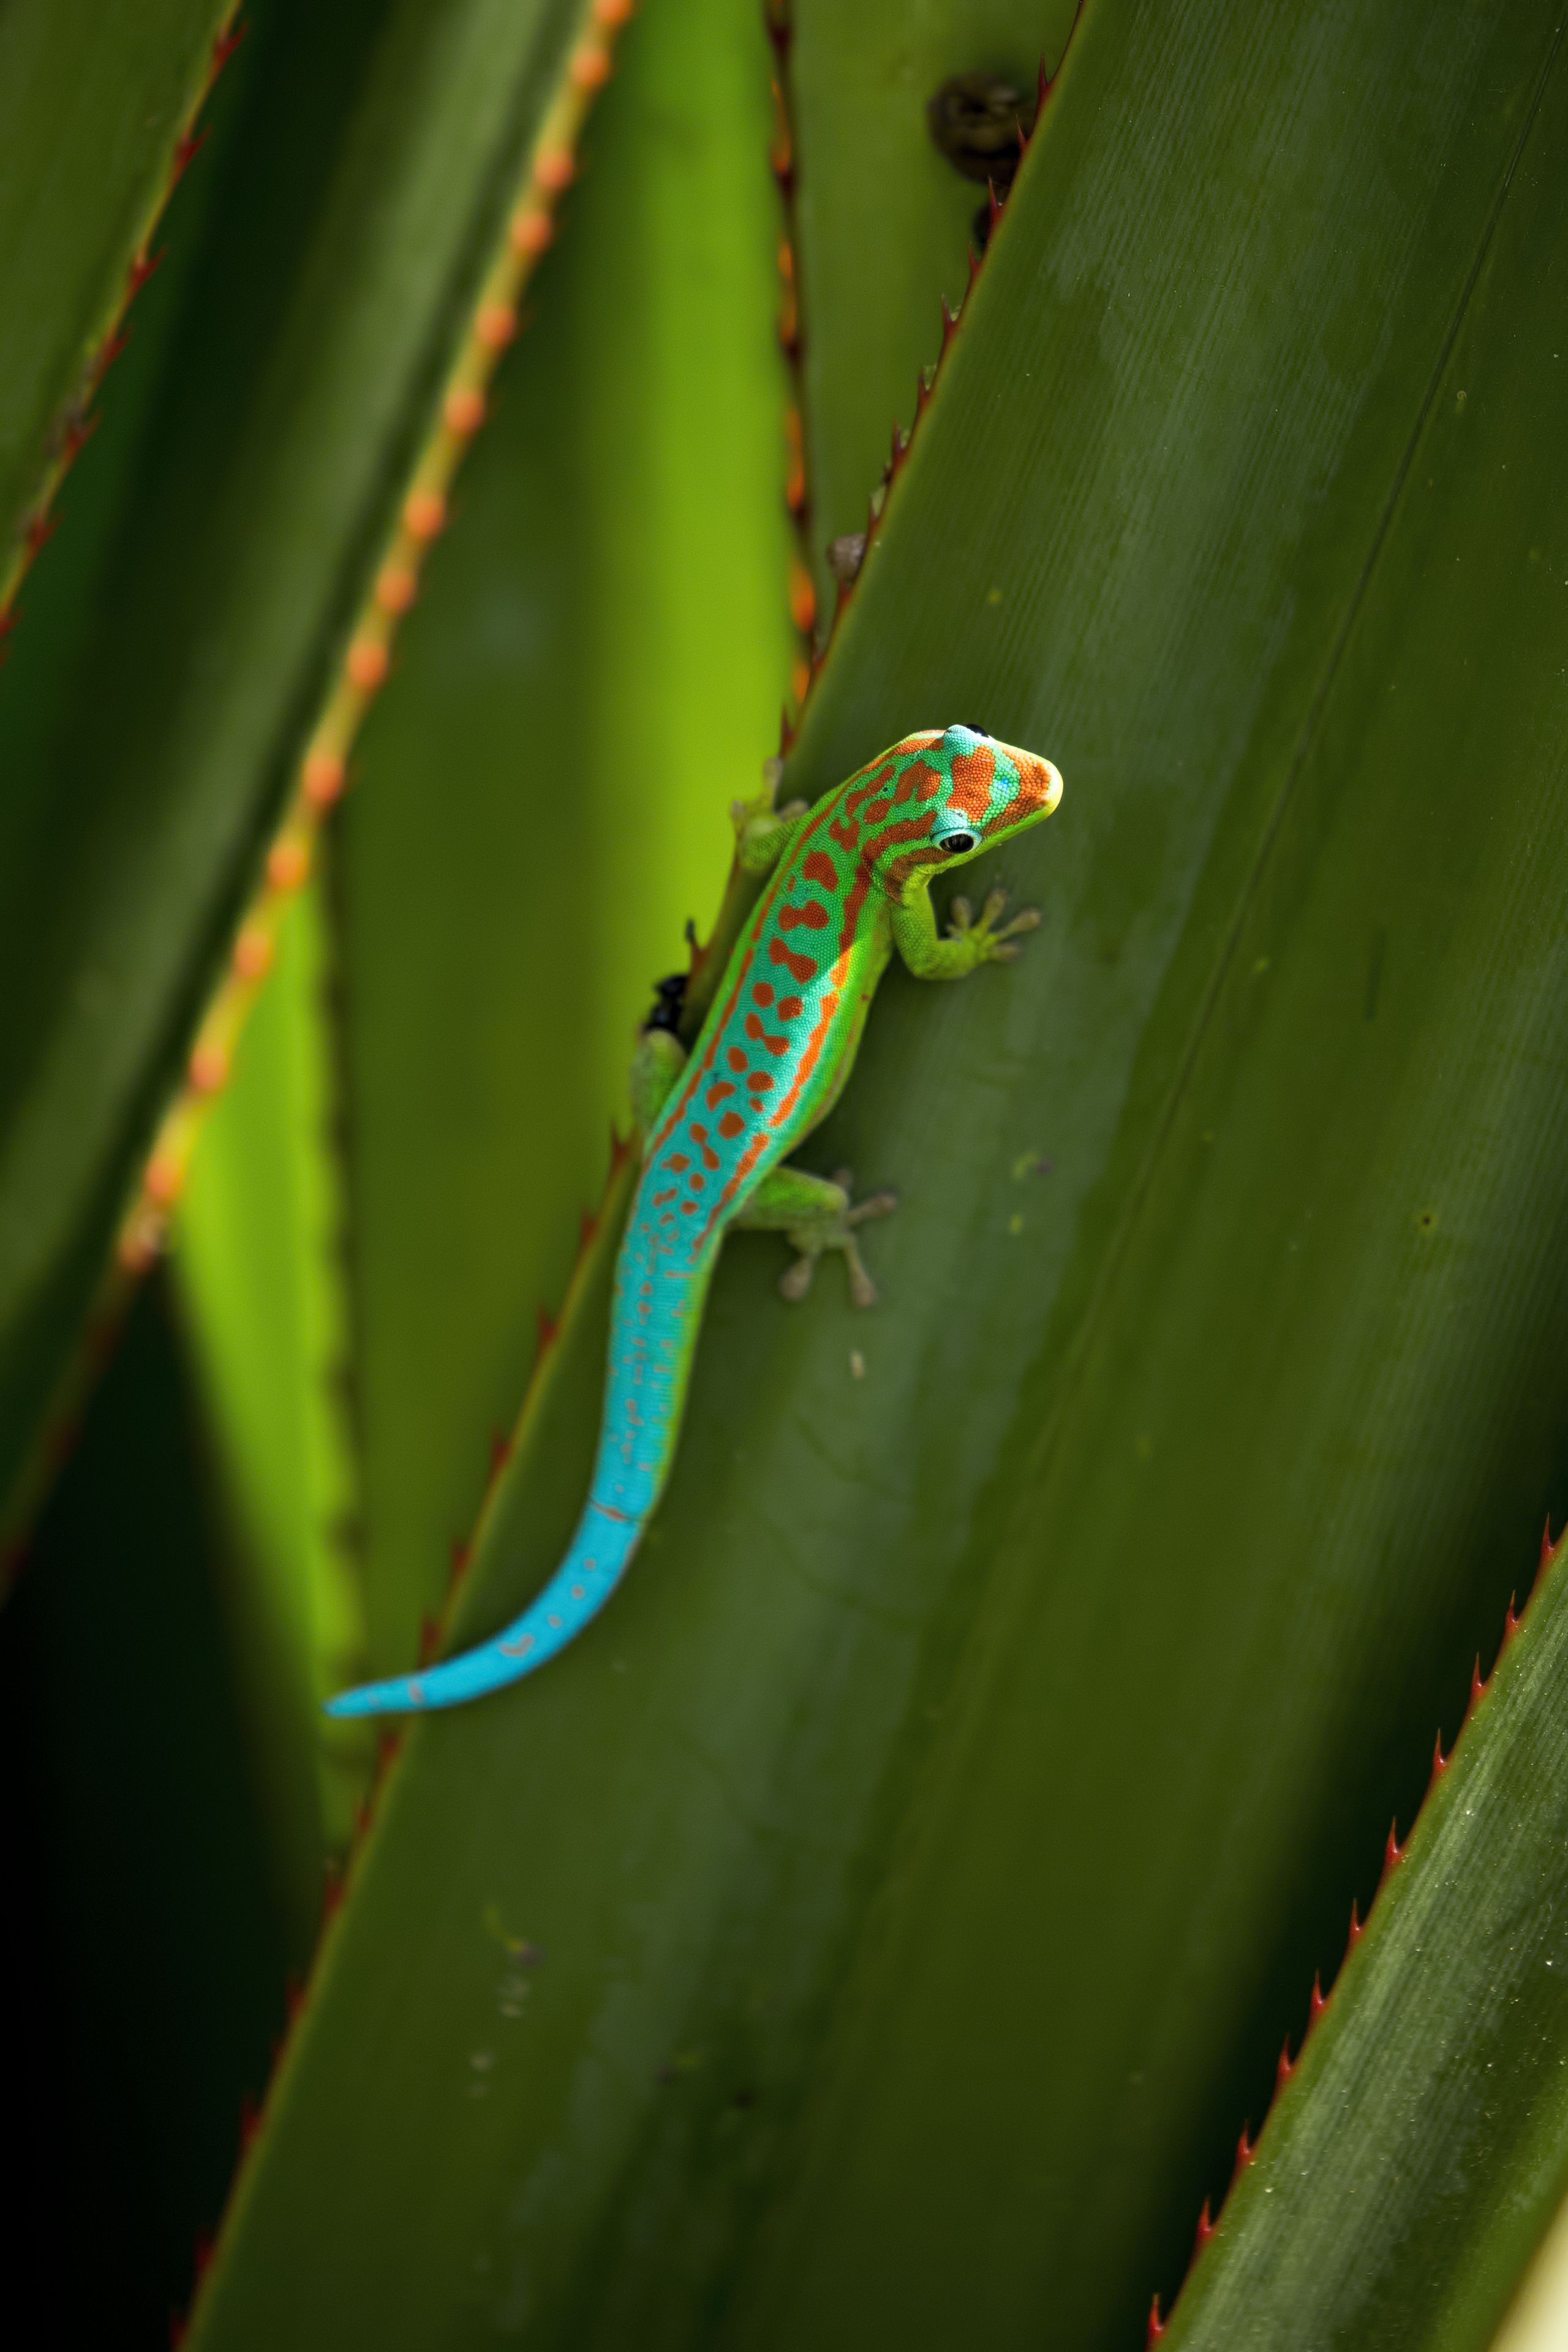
x: 874, y: 1924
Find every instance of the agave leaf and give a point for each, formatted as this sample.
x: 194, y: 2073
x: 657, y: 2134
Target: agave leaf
x: 311, y: 349
x: 860, y: 1869
x: 1420, y: 2149
x: 260, y: 1266
x: 94, y: 107
x: 885, y: 223
x: 593, y: 673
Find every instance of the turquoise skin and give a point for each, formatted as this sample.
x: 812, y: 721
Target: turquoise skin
x: 850, y: 883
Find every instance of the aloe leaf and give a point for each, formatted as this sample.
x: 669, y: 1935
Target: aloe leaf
x: 885, y: 223
x: 259, y: 1263
x: 1419, y: 2151
x: 593, y: 673
x: 311, y: 352
x: 96, y: 115
x: 892, y: 1868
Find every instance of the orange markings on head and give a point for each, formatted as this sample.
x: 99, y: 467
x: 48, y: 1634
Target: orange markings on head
x: 971, y: 775
x: 208, y: 1069
x: 818, y: 867
x: 927, y: 782
x: 367, y: 662
x: 590, y: 68
x: 530, y: 232
x: 288, y: 863
x: 554, y: 169
x: 396, y: 588
x: 732, y: 1124
x: 495, y: 325
x: 463, y: 410
x: 424, y: 513
x: 163, y: 1179
x: 322, y: 777
x: 252, y: 953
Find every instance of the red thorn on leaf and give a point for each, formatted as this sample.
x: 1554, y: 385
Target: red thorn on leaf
x: 1245, y: 2151
x: 1317, y: 2005
x: 331, y: 1895
x: 78, y: 431
x: 1478, y: 1689
x: 1285, y: 2069
x: 1393, y: 1852
x: 293, y: 1995
x: 459, y: 1559
x: 109, y: 350
x: 548, y: 1328
x: 39, y: 528
x: 1042, y: 90
x: 249, y: 2121
x: 1511, y: 1622
x: 1353, y: 1938
x: 204, y: 2254
x: 430, y: 1635
x: 500, y: 1451
x: 590, y: 1230
x: 1439, y: 1762
x: 1205, y: 2230
x: 226, y: 45
x: 1156, y: 2324
x: 185, y: 151
x: 1547, y: 1545
x: 143, y: 264
x: 949, y: 321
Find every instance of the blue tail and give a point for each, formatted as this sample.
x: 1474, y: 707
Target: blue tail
x: 593, y: 1566
x: 659, y: 1297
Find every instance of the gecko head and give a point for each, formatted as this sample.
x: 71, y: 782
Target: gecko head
x: 958, y: 793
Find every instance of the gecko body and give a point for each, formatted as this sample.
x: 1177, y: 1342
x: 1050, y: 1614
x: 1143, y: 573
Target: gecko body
x: 849, y: 884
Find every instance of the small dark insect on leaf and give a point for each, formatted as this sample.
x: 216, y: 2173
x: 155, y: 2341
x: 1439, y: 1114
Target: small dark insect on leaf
x: 979, y: 122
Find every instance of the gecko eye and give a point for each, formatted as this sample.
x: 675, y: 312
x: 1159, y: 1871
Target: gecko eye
x: 953, y: 844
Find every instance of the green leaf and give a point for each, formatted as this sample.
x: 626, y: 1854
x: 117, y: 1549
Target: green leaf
x: 361, y: 195
x: 260, y: 1269
x: 1420, y: 2150
x: 593, y: 673
x: 927, y: 1848
x: 93, y: 103
x: 886, y: 223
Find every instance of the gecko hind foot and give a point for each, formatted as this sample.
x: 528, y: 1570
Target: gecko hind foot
x: 836, y: 1229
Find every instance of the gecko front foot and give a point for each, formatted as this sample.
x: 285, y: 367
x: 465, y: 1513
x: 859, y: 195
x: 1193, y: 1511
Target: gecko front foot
x: 989, y: 939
